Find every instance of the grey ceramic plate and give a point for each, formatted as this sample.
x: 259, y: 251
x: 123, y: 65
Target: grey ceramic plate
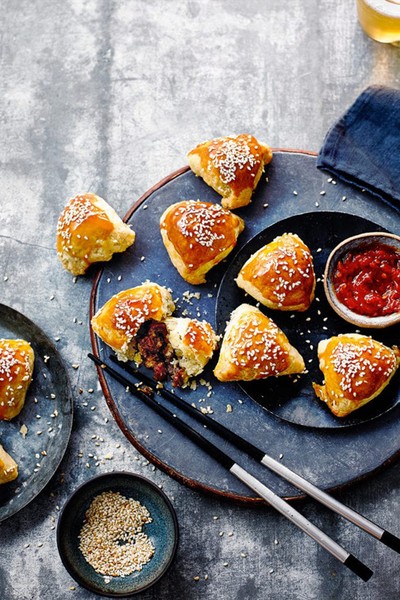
x: 162, y: 532
x: 344, y: 454
x: 47, y: 418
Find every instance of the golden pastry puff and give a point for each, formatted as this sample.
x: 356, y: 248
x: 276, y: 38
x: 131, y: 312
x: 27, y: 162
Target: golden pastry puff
x: 16, y: 367
x: 280, y: 275
x: 90, y: 231
x: 119, y: 320
x: 197, y: 236
x: 193, y: 342
x: 232, y: 166
x: 253, y: 347
x: 356, y: 369
x: 8, y: 467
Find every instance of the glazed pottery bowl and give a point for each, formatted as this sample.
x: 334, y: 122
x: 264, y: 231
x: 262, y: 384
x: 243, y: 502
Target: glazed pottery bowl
x: 355, y: 244
x: 162, y: 532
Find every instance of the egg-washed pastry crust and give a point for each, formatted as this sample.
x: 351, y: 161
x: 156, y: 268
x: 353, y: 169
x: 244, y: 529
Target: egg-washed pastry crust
x: 281, y: 274
x: 232, y: 166
x: 16, y: 368
x: 356, y: 370
x: 89, y: 231
x: 8, y: 467
x: 253, y: 347
x: 198, y: 235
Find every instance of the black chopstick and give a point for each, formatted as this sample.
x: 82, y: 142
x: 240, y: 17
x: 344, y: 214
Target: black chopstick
x: 345, y: 557
x: 310, y: 489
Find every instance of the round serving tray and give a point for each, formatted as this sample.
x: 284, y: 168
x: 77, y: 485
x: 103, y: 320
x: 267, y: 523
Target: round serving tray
x: 331, y: 457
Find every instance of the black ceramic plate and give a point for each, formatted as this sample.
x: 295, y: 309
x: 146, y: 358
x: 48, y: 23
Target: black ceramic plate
x: 292, y: 398
x: 47, y: 415
x: 290, y: 187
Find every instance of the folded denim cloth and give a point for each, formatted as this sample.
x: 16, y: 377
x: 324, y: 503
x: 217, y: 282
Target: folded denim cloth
x: 363, y: 147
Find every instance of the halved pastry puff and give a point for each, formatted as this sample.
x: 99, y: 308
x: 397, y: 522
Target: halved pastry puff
x: 8, y: 467
x: 232, y: 166
x: 197, y: 236
x: 280, y: 275
x: 88, y: 231
x: 16, y: 368
x: 177, y: 348
x: 253, y: 347
x: 193, y: 342
x: 118, y: 321
x: 356, y: 369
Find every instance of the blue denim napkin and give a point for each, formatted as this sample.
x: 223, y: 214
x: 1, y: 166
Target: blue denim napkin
x: 363, y: 147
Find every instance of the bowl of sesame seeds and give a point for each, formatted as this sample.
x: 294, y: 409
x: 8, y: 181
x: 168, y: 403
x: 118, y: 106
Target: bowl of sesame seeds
x: 117, y: 534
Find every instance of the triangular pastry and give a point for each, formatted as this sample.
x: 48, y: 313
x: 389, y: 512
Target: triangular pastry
x: 16, y: 368
x: 90, y: 231
x: 254, y: 347
x: 280, y: 275
x: 8, y: 467
x: 356, y: 369
x: 119, y: 319
x: 198, y: 235
x: 193, y: 342
x: 137, y: 325
x: 232, y: 166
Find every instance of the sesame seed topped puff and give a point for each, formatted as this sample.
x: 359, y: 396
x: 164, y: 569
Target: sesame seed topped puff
x: 16, y: 368
x: 232, y: 166
x: 356, y: 370
x: 197, y: 236
x: 280, y: 275
x: 193, y: 342
x: 90, y: 231
x: 119, y: 320
x: 8, y: 467
x: 253, y: 347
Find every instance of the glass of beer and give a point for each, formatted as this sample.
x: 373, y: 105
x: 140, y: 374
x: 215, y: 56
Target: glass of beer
x: 380, y: 19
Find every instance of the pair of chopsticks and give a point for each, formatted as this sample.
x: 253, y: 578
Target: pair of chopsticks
x: 146, y: 395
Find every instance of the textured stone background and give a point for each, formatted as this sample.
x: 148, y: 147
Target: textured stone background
x: 108, y: 96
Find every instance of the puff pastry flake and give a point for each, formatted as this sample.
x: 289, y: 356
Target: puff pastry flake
x: 280, y: 275
x: 16, y: 368
x: 198, y: 235
x: 8, y: 467
x: 232, y: 166
x: 356, y: 369
x: 90, y: 231
x: 254, y: 347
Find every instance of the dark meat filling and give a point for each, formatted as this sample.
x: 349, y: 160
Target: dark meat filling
x: 157, y: 353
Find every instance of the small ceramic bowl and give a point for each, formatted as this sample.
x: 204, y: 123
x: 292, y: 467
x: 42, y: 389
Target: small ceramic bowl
x: 350, y: 244
x: 162, y: 532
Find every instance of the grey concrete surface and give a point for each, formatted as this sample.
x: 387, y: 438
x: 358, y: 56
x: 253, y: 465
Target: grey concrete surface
x: 108, y: 96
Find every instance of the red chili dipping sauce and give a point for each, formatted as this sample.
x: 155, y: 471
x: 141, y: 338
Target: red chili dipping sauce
x: 367, y: 280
